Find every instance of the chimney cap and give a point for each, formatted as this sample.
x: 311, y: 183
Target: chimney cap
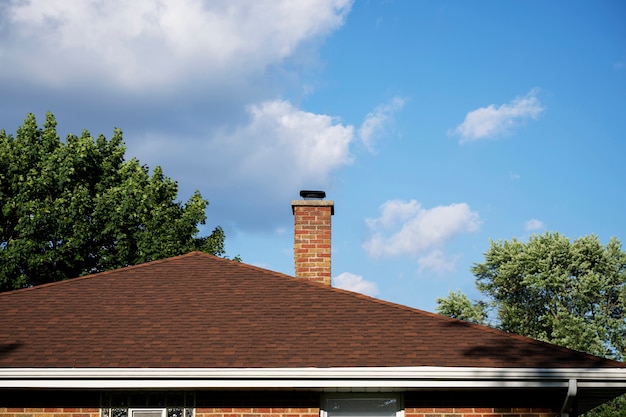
x: 312, y: 195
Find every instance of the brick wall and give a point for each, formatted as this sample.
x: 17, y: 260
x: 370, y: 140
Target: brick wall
x: 292, y: 404
x: 479, y: 412
x: 49, y: 412
x: 257, y: 412
x: 312, y: 239
x: 291, y: 412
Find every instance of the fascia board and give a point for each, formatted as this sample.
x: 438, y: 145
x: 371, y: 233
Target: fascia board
x: 327, y: 385
x: 311, y: 378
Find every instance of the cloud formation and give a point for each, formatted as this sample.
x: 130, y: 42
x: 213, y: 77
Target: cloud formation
x: 493, y: 122
x: 148, y: 43
x: 356, y: 283
x: 534, y: 224
x: 406, y: 228
x: 437, y: 261
x: 195, y: 86
x: 273, y: 153
x: 377, y: 121
x: 280, y: 139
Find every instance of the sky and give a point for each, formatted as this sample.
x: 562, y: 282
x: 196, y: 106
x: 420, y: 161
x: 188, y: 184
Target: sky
x: 434, y: 126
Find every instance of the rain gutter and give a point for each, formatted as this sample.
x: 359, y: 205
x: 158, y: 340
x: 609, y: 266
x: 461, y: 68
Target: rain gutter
x: 327, y: 379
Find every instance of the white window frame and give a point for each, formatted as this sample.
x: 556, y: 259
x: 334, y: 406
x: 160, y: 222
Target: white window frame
x: 163, y: 411
x: 364, y: 395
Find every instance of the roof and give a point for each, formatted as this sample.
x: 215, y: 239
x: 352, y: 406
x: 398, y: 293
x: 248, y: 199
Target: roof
x: 201, y: 311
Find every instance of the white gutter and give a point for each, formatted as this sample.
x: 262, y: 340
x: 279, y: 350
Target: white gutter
x: 341, y: 379
x: 570, y: 397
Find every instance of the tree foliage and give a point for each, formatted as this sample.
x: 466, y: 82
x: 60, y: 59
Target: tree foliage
x: 458, y: 306
x: 77, y: 207
x: 570, y: 293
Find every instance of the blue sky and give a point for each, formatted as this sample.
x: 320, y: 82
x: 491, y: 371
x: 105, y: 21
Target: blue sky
x: 435, y: 126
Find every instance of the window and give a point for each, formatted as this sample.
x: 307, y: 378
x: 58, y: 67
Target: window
x: 146, y: 412
x: 147, y: 404
x: 362, y: 405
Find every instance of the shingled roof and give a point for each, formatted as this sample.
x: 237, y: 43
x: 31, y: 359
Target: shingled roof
x: 200, y: 311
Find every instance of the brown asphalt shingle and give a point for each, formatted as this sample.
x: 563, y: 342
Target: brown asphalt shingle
x: 200, y: 311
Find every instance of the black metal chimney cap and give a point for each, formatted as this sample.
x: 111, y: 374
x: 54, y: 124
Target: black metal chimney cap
x: 310, y: 194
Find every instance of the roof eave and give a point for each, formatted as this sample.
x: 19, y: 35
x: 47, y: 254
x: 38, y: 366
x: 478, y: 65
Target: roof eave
x: 367, y: 379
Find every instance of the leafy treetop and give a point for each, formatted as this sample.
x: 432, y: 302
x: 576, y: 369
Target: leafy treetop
x: 78, y: 207
x: 570, y: 293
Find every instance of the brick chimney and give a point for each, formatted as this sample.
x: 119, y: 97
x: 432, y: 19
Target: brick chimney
x: 311, y: 249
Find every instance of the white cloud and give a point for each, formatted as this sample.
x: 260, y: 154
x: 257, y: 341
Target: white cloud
x: 377, y: 121
x: 279, y: 150
x: 194, y: 86
x: 437, y: 261
x: 534, y: 224
x: 148, y: 43
x: 405, y: 228
x: 285, y: 146
x: 492, y: 121
x: 356, y: 283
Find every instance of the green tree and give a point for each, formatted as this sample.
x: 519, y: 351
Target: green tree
x: 458, y: 306
x: 570, y: 293
x: 78, y: 207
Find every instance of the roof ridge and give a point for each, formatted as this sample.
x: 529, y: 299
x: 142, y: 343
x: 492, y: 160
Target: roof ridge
x: 259, y: 268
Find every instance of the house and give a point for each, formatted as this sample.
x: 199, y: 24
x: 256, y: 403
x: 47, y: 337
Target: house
x: 197, y: 335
